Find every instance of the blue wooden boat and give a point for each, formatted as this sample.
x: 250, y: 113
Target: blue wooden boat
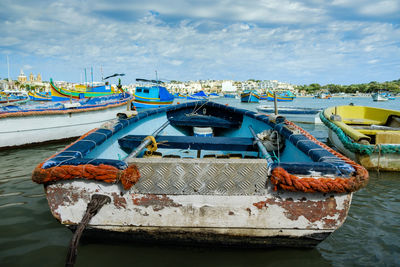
x: 153, y: 96
x: 257, y: 180
x: 228, y: 95
x: 249, y: 96
x: 198, y: 96
x: 295, y: 114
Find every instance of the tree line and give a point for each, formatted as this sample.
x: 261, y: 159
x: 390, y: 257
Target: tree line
x: 393, y: 86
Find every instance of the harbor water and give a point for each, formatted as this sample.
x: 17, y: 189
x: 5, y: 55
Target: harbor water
x: 30, y: 236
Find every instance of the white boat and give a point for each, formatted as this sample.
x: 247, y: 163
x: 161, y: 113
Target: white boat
x: 29, y: 124
x: 379, y: 97
x: 295, y: 114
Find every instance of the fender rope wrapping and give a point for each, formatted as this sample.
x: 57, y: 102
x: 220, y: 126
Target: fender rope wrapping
x: 280, y: 178
x: 101, y: 172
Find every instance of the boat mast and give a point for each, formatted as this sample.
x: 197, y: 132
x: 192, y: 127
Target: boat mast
x: 8, y: 67
x: 85, y: 78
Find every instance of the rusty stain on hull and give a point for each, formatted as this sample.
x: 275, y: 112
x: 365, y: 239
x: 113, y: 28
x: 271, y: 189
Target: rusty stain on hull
x: 157, y: 202
x: 119, y: 202
x: 60, y: 196
x: 313, y: 211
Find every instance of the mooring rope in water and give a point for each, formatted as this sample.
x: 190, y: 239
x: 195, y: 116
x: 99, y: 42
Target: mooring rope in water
x: 95, y: 204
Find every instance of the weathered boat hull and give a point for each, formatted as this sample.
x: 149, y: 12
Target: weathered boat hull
x: 231, y: 217
x: 30, y: 127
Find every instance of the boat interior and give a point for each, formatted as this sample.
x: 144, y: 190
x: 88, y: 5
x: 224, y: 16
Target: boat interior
x: 202, y: 130
x: 368, y: 125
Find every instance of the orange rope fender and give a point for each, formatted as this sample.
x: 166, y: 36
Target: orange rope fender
x: 102, y: 172
x: 280, y: 178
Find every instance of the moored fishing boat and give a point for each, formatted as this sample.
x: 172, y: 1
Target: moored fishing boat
x: 153, y: 96
x: 379, y: 97
x: 285, y: 96
x: 198, y: 96
x: 249, y: 96
x: 295, y: 114
x: 39, y: 96
x: 368, y: 135
x: 62, y: 94
x: 256, y: 181
x: 13, y: 97
x: 323, y: 95
x: 213, y: 95
x: 28, y: 124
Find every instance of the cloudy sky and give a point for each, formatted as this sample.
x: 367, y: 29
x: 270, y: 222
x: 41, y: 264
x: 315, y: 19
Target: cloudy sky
x: 301, y: 42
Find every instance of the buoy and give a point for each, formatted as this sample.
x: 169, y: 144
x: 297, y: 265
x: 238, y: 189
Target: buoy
x: 203, y: 131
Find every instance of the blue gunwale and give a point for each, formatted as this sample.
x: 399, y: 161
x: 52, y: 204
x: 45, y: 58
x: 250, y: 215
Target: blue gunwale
x: 321, y: 160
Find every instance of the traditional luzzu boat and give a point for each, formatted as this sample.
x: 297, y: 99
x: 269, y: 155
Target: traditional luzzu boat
x: 39, y: 96
x: 253, y: 180
x: 295, y: 114
x: 36, y: 123
x: 285, y: 96
x: 62, y: 94
x: 249, y: 96
x: 370, y: 136
x: 153, y: 96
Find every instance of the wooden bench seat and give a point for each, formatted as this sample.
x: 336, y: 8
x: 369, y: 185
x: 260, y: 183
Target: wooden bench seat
x: 130, y: 142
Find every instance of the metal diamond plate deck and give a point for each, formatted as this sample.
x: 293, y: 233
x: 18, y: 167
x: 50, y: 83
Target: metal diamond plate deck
x: 207, y: 176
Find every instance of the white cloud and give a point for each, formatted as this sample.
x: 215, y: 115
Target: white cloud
x: 236, y: 42
x: 379, y: 8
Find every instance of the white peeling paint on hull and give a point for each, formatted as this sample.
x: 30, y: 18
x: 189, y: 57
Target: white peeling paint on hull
x: 270, y: 215
x: 17, y: 131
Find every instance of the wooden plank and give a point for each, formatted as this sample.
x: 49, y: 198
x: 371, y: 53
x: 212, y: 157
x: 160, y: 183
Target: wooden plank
x: 129, y: 142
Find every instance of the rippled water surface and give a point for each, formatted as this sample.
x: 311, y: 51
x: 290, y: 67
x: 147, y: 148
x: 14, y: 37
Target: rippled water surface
x: 30, y: 236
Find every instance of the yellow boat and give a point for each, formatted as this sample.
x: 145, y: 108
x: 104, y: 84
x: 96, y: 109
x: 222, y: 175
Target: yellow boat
x: 371, y: 136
